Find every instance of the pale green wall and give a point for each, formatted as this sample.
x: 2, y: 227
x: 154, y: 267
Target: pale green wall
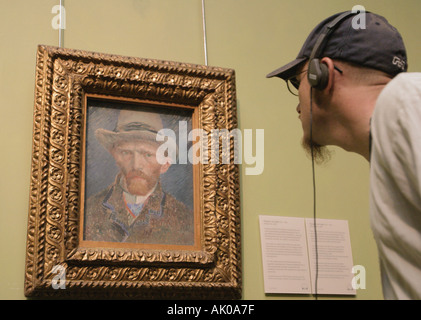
x: 251, y: 36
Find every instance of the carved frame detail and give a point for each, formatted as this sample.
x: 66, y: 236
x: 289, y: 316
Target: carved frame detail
x: 63, y: 78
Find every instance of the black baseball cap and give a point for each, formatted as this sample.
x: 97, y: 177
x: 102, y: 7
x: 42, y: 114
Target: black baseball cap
x: 379, y: 45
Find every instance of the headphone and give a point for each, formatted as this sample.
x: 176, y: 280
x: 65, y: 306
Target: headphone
x: 318, y: 77
x: 318, y: 73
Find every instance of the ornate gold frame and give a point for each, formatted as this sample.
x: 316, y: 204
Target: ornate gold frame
x: 63, y: 79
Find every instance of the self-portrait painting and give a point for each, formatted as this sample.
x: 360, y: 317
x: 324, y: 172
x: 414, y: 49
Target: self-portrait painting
x: 132, y: 193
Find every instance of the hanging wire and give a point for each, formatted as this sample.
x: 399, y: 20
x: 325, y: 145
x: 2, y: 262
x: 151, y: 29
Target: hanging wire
x: 60, y: 29
x: 204, y: 32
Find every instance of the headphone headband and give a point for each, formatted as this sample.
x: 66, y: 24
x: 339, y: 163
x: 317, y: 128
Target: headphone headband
x: 329, y: 28
x: 318, y: 74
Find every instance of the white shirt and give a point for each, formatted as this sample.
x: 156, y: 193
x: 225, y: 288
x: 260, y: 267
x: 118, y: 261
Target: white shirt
x: 395, y: 186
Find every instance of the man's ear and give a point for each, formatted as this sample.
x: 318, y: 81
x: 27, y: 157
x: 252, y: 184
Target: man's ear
x: 331, y: 69
x: 165, y: 167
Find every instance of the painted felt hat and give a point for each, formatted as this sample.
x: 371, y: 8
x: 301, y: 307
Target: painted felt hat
x: 132, y: 125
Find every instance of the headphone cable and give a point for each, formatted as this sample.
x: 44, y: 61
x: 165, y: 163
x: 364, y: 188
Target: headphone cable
x: 314, y: 193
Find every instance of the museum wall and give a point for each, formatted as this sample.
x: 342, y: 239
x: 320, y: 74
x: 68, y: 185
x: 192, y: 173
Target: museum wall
x: 251, y: 36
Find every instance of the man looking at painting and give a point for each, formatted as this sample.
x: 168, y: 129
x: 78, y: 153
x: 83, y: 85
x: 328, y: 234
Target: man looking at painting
x: 355, y: 92
x: 134, y: 208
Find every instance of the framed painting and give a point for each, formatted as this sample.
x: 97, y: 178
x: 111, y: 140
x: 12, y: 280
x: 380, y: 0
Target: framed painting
x: 123, y: 200
x: 137, y: 191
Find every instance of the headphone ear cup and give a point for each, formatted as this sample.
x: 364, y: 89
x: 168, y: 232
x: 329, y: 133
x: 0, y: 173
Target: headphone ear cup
x: 318, y: 74
x: 324, y: 78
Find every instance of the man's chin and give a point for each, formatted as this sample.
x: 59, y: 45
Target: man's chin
x: 321, y: 154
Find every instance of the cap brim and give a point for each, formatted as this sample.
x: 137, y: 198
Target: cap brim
x: 287, y: 70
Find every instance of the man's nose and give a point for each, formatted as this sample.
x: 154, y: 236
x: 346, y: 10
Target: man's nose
x: 138, y: 161
x: 298, y: 109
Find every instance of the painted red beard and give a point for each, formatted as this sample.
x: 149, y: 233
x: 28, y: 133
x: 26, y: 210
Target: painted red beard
x: 138, y: 183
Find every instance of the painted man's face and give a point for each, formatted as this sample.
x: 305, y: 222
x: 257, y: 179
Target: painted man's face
x: 138, y: 163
